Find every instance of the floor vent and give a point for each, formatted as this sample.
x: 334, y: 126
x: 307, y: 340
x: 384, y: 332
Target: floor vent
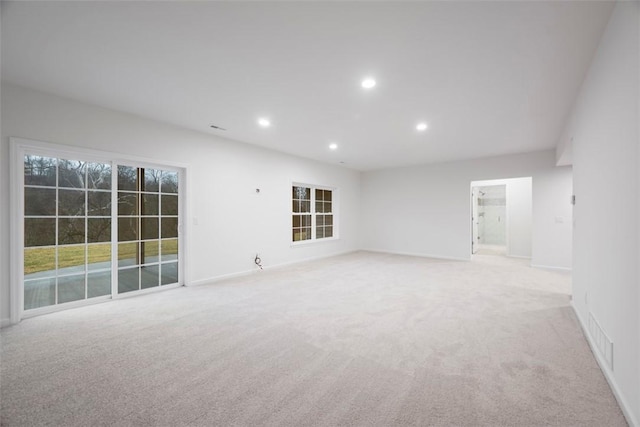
x: 601, y: 340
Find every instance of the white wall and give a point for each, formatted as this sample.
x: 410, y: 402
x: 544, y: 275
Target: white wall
x: 424, y: 210
x: 233, y: 222
x: 604, y: 129
x: 553, y: 229
x: 519, y: 197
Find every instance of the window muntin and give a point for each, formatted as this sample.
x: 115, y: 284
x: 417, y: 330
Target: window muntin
x: 312, y: 213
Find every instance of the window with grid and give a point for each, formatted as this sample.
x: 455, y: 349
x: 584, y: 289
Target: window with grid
x: 313, y: 213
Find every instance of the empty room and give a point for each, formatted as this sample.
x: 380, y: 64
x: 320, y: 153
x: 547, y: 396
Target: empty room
x: 320, y: 213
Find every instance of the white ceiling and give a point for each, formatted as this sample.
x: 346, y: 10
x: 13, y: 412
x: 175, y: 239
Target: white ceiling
x: 489, y: 78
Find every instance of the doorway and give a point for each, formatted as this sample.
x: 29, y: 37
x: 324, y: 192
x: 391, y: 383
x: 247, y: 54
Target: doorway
x: 489, y: 220
x: 501, y: 217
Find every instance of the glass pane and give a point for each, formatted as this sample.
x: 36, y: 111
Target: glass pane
x: 327, y: 206
x: 328, y: 220
x: 301, y: 234
x: 169, y: 273
x: 169, y: 227
x: 70, y: 231
x: 127, y: 204
x: 39, y: 262
x: 149, y: 252
x: 98, y: 230
x: 151, y: 180
x: 99, y: 256
x: 150, y: 276
x: 150, y: 204
x: 169, y: 250
x: 99, y: 203
x: 319, y: 195
x: 99, y: 284
x: 306, y: 220
x: 99, y: 175
x: 302, y: 193
x: 71, y: 173
x: 127, y: 229
x: 169, y: 182
x: 70, y: 288
x: 327, y: 195
x: 39, y: 232
x: 39, y: 293
x: 319, y: 207
x: 319, y: 232
x: 296, y: 220
x: 71, y: 202
x: 39, y: 201
x: 169, y: 205
x: 295, y: 206
x: 305, y: 206
x: 127, y: 178
x: 149, y: 227
x: 328, y: 232
x: 320, y: 220
x: 71, y: 259
x: 40, y: 170
x: 127, y: 254
x: 128, y: 280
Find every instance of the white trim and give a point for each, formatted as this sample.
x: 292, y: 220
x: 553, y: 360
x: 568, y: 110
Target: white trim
x: 16, y: 299
x: 34, y: 312
x: 552, y: 268
x: 518, y: 256
x: 421, y: 255
x: 227, y: 276
x: 624, y: 405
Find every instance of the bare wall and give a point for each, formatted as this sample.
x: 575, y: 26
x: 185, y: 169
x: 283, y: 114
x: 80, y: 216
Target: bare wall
x: 604, y: 129
x: 425, y: 210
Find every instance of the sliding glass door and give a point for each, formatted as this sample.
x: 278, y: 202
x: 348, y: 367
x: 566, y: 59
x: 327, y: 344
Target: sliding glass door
x: 147, y: 228
x: 72, y: 248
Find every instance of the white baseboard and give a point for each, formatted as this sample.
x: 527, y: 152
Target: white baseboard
x: 256, y: 270
x: 383, y: 251
x: 624, y: 405
x: 519, y: 256
x: 552, y: 268
x: 5, y: 322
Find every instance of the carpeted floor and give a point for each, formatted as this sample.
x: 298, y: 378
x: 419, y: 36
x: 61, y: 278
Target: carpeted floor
x: 361, y: 339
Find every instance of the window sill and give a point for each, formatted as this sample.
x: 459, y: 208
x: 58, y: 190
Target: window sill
x: 313, y: 242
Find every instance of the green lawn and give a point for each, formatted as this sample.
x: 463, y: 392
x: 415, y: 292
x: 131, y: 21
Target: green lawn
x: 44, y: 259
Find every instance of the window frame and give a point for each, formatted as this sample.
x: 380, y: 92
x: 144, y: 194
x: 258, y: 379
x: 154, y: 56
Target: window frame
x: 18, y: 148
x: 334, y: 212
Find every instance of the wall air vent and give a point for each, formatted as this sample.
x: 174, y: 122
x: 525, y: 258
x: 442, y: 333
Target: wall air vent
x: 601, y: 340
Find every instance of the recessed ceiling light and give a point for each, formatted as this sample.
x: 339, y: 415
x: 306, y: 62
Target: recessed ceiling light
x: 333, y: 146
x: 421, y: 127
x: 265, y: 123
x: 368, y: 83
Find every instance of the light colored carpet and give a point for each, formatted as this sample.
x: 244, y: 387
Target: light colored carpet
x: 362, y: 339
